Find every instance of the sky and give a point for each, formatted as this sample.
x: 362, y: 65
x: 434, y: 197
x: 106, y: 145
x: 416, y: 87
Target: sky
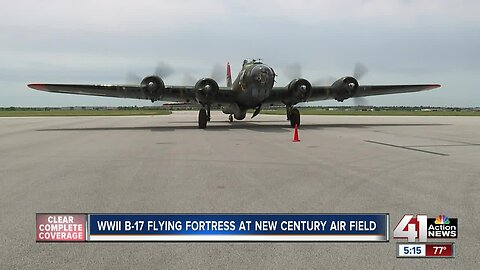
x: 89, y: 41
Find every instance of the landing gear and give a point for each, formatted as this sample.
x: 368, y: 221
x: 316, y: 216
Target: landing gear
x: 230, y: 118
x: 202, y: 118
x: 208, y: 113
x: 289, y: 109
x: 294, y: 117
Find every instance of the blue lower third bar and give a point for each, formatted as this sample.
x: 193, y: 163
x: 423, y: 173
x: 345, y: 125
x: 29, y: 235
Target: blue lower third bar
x: 239, y: 227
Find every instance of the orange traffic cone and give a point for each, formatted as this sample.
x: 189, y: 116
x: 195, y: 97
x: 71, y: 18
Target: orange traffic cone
x: 295, y: 134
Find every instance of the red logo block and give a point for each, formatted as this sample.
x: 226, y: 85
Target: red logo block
x: 61, y: 227
x: 439, y: 250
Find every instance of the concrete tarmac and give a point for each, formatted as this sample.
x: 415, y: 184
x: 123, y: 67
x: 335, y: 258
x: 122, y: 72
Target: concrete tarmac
x: 165, y: 164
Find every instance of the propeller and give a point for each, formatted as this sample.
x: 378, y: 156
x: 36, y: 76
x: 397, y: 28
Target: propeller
x: 163, y: 70
x: 132, y: 78
x: 328, y: 80
x: 358, y: 72
x: 218, y: 73
x: 188, y: 79
x: 293, y: 71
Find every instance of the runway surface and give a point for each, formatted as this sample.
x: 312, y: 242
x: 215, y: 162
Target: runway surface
x: 165, y: 164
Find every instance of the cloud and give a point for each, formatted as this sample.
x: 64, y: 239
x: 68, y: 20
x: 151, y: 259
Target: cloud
x: 119, y: 16
x: 380, y: 11
x: 109, y: 16
x: 100, y: 41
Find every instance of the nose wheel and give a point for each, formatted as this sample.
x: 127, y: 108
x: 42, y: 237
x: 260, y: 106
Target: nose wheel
x: 230, y: 118
x: 294, y: 117
x: 289, y: 110
x: 202, y: 118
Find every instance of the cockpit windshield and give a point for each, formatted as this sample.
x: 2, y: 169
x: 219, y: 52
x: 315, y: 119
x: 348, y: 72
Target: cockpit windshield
x: 251, y: 62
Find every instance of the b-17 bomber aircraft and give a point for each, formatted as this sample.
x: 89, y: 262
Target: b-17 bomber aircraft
x: 252, y: 89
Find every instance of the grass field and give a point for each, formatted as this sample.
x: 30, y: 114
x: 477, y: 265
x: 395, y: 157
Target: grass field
x: 29, y: 113
x: 314, y: 111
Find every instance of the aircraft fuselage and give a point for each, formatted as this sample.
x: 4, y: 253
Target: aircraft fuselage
x: 253, y: 84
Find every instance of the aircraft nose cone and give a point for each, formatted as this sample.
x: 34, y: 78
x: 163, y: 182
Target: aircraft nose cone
x: 261, y: 75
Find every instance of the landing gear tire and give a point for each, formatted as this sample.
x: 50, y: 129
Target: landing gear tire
x: 230, y: 118
x: 208, y: 113
x: 294, y: 117
x: 202, y: 118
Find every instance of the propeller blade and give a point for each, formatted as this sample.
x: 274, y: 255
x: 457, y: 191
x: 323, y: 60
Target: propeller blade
x: 359, y: 71
x: 132, y: 78
x: 218, y: 73
x: 163, y: 70
x: 189, y: 79
x: 326, y: 81
x: 293, y: 71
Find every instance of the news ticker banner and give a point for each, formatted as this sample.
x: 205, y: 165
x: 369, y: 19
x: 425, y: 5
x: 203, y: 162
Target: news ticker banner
x: 212, y: 227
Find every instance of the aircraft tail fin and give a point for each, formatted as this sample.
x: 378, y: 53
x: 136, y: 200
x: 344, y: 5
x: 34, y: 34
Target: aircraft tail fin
x: 229, y: 75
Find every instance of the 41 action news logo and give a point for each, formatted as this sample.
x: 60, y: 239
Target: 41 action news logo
x: 422, y: 228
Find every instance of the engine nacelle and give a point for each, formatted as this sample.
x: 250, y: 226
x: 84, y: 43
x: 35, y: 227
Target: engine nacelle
x: 344, y: 88
x: 153, y: 87
x: 206, y: 90
x: 299, y: 90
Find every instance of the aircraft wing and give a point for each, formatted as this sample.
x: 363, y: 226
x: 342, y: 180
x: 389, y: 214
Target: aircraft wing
x: 170, y: 93
x: 278, y: 95
x: 281, y: 95
x: 375, y: 90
